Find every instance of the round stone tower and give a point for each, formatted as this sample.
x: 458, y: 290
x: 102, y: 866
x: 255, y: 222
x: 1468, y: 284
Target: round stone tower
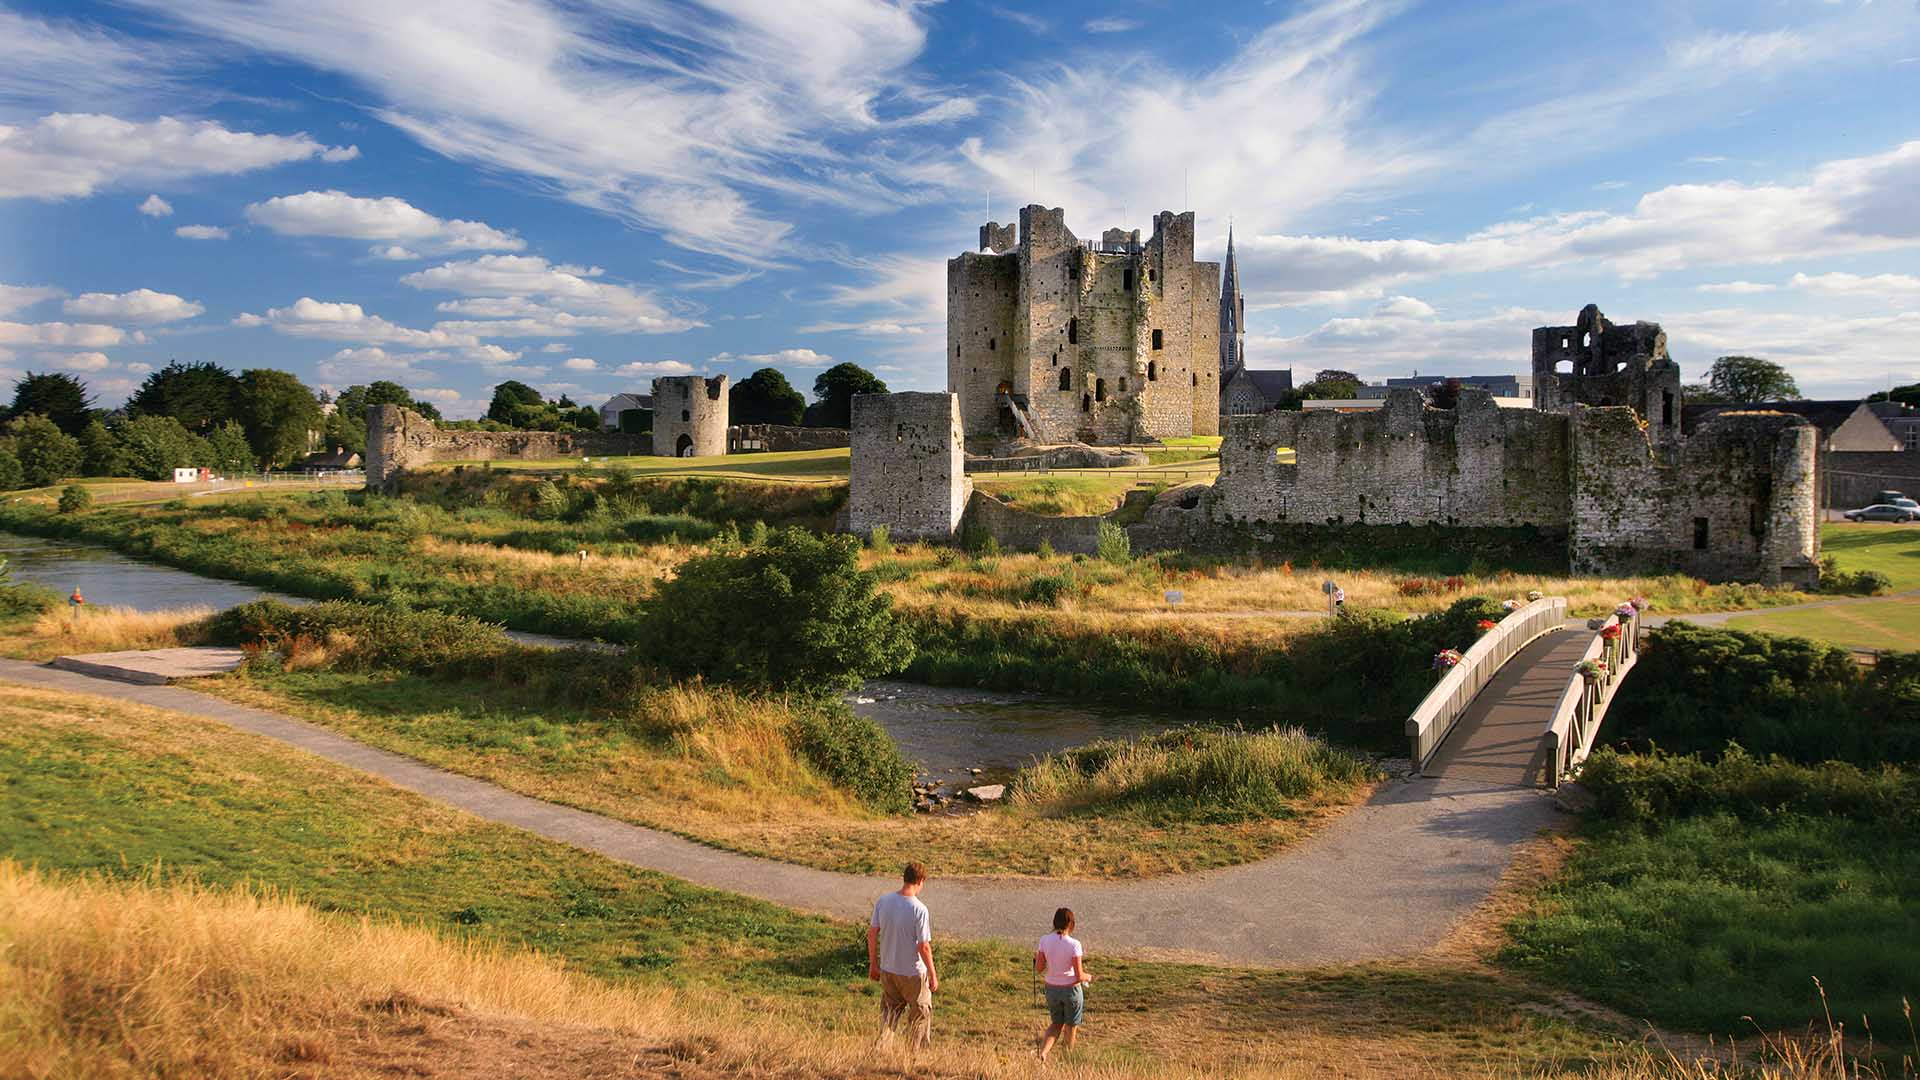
x: 690, y: 416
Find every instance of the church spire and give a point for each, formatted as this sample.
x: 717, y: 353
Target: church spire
x: 1233, y: 312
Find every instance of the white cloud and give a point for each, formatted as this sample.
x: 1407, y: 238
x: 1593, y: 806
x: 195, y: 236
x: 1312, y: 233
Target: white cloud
x: 349, y: 366
x: 337, y: 154
x: 310, y: 318
x: 870, y: 328
x: 663, y: 115
x: 1736, y: 288
x: 790, y: 357
x: 336, y: 213
x: 200, y: 232
x: 80, y: 361
x: 141, y: 307
x: 1891, y: 287
x: 71, y: 335
x: 654, y: 367
x: 65, y: 155
x: 556, y: 347
x: 1404, y: 307
x: 20, y: 297
x: 436, y: 393
x: 155, y: 206
x: 138, y: 368
x: 47, y: 65
x: 580, y: 363
x: 1850, y: 206
x: 1111, y: 25
x: 531, y: 297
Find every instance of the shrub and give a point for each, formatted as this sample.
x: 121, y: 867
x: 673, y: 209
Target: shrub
x: 75, y: 498
x: 365, y: 636
x: 47, y: 454
x: 1047, y: 590
x: 880, y: 540
x: 855, y: 753
x: 1113, y: 544
x: 11, y: 474
x: 1191, y: 773
x: 1697, y: 688
x: 1660, y: 787
x: 795, y: 613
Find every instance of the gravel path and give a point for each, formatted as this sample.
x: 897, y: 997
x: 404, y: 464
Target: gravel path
x: 1387, y: 879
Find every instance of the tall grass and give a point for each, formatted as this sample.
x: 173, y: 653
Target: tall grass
x: 1193, y: 773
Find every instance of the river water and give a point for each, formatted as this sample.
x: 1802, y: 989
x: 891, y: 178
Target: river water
x: 946, y: 731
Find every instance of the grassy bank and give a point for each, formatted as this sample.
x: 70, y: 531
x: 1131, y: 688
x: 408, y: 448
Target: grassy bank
x: 117, y: 790
x: 1702, y: 895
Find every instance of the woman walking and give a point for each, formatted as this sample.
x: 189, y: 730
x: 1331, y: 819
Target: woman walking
x: 1063, y: 965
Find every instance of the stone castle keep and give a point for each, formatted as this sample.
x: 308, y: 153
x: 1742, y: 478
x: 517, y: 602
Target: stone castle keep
x: 1600, y: 466
x: 1059, y: 340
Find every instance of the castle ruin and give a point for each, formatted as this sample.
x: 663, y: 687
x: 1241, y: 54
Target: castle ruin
x: 690, y: 416
x: 1599, y: 467
x: 1057, y: 339
x: 907, y: 470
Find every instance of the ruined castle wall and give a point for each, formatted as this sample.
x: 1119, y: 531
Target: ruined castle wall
x: 1203, y: 364
x: 399, y: 439
x: 982, y: 294
x: 907, y: 470
x: 1053, y: 273
x: 1405, y: 463
x: 1162, y: 375
x: 781, y: 438
x: 690, y: 416
x: 1738, y: 503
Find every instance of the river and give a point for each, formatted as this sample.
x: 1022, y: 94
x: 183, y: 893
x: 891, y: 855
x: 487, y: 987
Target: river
x: 945, y: 731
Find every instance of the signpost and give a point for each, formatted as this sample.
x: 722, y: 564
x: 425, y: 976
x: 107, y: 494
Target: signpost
x: 1336, y: 598
x: 1174, y: 596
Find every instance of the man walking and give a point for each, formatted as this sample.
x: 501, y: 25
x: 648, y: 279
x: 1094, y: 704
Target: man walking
x: 900, y: 958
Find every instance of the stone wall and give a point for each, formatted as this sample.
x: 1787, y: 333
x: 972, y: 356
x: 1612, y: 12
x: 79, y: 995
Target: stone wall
x: 1115, y: 344
x: 906, y: 471
x: 399, y: 439
x: 781, y: 438
x: 1404, y: 463
x: 690, y: 416
x: 1597, y: 363
x: 1018, y: 530
x: 1736, y: 504
x: 1852, y: 478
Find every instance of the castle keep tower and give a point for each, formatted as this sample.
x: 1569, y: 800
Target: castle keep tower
x: 1593, y: 362
x: 690, y: 416
x: 1063, y: 340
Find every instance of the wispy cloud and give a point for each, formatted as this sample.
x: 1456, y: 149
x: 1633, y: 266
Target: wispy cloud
x: 64, y: 155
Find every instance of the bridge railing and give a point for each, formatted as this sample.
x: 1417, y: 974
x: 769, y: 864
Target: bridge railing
x: 1583, y: 704
x: 1434, y: 717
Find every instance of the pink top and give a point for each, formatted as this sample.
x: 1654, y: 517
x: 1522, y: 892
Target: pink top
x: 1063, y: 959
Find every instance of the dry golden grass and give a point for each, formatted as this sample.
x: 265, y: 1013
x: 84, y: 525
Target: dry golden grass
x: 726, y: 775
x: 619, y: 575
x: 63, y: 630
x: 1220, y: 594
x: 111, y: 981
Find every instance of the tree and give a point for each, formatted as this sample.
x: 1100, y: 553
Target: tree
x: 636, y: 421
x: 765, y: 397
x: 59, y: 397
x: 795, y: 612
x: 47, y: 455
x: 229, y: 452
x: 101, y: 451
x: 200, y: 396
x: 1332, y: 383
x: 11, y: 475
x: 279, y: 413
x: 835, y: 388
x: 1444, y: 395
x: 346, y: 426
x: 1742, y: 379
x: 1908, y: 395
x: 157, y: 445
x: 1335, y: 375
x: 509, y: 396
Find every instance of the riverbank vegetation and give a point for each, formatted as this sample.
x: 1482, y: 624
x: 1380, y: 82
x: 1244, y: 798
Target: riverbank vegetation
x: 304, y: 915
x: 1767, y: 870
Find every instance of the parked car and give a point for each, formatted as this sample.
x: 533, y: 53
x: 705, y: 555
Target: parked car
x: 1884, y: 512
x: 1890, y: 497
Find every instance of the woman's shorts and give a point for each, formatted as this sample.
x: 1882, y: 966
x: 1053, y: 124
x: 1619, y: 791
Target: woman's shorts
x: 1066, y: 1005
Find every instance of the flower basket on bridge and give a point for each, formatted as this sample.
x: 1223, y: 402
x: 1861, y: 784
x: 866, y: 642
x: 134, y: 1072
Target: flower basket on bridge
x: 1639, y: 603
x: 1484, y: 625
x: 1626, y: 611
x: 1510, y: 605
x: 1446, y: 659
x: 1591, y: 670
x: 1610, y: 633
x: 1534, y: 594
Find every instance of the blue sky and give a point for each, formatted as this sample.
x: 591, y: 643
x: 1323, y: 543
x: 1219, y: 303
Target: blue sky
x: 586, y: 194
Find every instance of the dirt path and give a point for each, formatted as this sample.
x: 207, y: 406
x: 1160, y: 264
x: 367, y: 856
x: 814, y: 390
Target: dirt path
x: 1389, y: 879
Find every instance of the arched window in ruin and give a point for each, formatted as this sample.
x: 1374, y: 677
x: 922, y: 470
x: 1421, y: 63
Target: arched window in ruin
x: 1086, y: 403
x: 1099, y: 389
x: 1156, y: 340
x: 686, y: 416
x: 1073, y: 331
x: 683, y: 446
x: 1153, y: 368
x: 1066, y: 378
x: 989, y: 344
x: 1126, y: 279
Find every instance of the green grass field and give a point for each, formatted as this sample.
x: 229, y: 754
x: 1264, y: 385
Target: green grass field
x: 1892, y: 623
x: 123, y: 792
x: 798, y: 466
x: 1893, y: 550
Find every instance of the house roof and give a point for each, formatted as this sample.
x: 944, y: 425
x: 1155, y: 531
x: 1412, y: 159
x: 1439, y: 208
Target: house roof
x: 1825, y: 415
x: 628, y: 401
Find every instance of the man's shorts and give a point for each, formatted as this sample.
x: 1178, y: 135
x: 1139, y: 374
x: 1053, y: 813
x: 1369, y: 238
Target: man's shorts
x: 1066, y: 1004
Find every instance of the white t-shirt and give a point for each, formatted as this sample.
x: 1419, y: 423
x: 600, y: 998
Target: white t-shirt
x: 1063, y: 959
x: 903, y: 925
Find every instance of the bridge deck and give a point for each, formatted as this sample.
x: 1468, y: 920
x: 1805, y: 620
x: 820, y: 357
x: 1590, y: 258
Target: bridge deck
x: 1498, y: 739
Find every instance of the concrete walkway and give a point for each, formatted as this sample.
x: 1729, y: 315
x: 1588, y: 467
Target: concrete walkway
x: 1387, y: 879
